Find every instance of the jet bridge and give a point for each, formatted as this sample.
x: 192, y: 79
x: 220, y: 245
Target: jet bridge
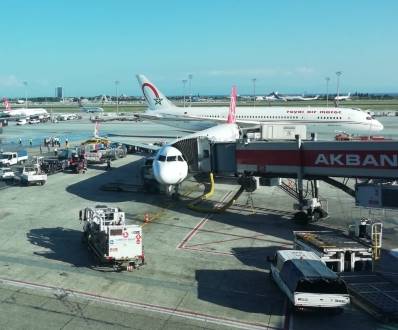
x: 299, y: 159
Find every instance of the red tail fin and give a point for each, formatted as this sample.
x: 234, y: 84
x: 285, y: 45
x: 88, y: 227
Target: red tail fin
x: 6, y: 104
x: 232, y: 107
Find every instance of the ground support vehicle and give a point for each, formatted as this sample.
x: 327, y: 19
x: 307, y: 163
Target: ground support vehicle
x: 53, y: 165
x: 355, y: 251
x: 6, y: 173
x: 306, y: 280
x: 30, y: 175
x: 112, y: 241
x: 13, y: 158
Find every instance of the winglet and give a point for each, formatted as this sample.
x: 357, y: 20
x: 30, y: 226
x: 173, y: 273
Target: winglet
x: 232, y: 107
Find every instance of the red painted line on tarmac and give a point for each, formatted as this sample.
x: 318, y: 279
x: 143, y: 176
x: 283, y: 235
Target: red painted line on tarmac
x: 141, y: 306
x: 227, y: 240
x: 192, y: 233
x: 210, y: 252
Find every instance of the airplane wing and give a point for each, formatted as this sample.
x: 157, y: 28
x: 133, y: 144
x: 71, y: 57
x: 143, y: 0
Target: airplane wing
x: 216, y: 121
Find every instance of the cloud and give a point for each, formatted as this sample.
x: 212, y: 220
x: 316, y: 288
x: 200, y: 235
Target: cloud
x: 304, y: 70
x: 10, y: 81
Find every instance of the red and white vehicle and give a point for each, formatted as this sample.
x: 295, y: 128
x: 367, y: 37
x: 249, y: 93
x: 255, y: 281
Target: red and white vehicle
x: 111, y: 239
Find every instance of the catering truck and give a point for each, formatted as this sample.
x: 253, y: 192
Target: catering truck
x: 113, y: 242
x: 306, y: 280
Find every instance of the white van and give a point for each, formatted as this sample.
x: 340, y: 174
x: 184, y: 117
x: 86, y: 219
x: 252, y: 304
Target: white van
x: 307, y: 281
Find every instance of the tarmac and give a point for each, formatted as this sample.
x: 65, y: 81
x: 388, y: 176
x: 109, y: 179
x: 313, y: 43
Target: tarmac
x: 203, y: 271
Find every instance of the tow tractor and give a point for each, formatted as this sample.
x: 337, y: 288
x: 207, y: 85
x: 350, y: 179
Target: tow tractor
x: 113, y: 241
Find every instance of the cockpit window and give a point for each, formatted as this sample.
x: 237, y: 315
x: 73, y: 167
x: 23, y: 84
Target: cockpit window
x: 171, y: 158
x: 368, y: 118
x: 180, y: 159
x: 162, y: 158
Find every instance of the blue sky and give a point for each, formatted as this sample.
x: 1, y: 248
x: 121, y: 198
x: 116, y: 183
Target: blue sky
x: 289, y: 46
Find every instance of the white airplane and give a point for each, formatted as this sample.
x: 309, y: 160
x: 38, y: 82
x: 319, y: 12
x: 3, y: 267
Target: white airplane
x: 274, y: 96
x: 24, y: 112
x: 169, y: 166
x: 299, y: 98
x: 343, y: 97
x: 89, y: 109
x: 315, y: 118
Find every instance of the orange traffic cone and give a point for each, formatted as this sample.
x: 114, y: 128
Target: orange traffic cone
x: 146, y: 218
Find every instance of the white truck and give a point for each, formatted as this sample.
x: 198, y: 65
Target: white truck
x: 112, y: 240
x: 30, y: 175
x: 306, y: 280
x: 13, y: 158
x: 6, y: 173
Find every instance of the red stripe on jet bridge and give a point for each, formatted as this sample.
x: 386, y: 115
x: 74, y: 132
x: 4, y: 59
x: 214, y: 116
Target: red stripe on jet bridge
x: 379, y: 159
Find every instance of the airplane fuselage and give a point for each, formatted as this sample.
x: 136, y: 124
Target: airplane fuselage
x: 317, y: 118
x: 26, y: 112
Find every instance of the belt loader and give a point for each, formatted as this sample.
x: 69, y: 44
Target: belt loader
x: 113, y: 241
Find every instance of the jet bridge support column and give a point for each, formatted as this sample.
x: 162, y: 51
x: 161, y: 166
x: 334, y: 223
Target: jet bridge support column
x: 309, y: 210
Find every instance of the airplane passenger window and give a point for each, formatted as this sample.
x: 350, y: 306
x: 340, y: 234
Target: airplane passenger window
x: 171, y: 158
x: 162, y: 158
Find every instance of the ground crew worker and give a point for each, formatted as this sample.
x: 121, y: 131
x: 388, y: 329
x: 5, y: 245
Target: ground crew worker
x: 30, y: 142
x: 108, y: 164
x: 20, y: 141
x: 66, y: 142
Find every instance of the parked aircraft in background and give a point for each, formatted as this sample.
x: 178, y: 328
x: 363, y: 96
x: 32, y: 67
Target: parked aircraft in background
x: 91, y: 109
x: 23, y: 112
x: 315, y: 118
x: 299, y: 98
x: 274, y: 96
x: 343, y: 97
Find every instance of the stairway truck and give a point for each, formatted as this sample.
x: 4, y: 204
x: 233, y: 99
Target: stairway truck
x: 113, y: 242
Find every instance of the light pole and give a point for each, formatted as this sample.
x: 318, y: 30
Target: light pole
x: 117, y: 97
x: 26, y: 93
x: 327, y: 91
x: 338, y: 74
x: 184, y: 82
x: 254, y: 91
x: 190, y: 76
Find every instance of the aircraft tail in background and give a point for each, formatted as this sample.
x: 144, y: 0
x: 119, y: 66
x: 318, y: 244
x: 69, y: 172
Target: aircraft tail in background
x: 154, y: 98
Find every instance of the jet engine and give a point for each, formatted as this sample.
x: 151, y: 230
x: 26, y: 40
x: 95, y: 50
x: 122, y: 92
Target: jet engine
x: 169, y: 166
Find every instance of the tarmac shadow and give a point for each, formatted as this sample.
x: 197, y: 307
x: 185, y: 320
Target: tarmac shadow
x: 245, y: 290
x: 61, y: 244
x: 91, y: 188
x: 256, y: 256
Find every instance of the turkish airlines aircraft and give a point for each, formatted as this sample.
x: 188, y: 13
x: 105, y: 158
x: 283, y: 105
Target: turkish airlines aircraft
x: 23, y: 112
x: 315, y: 118
x: 169, y: 166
